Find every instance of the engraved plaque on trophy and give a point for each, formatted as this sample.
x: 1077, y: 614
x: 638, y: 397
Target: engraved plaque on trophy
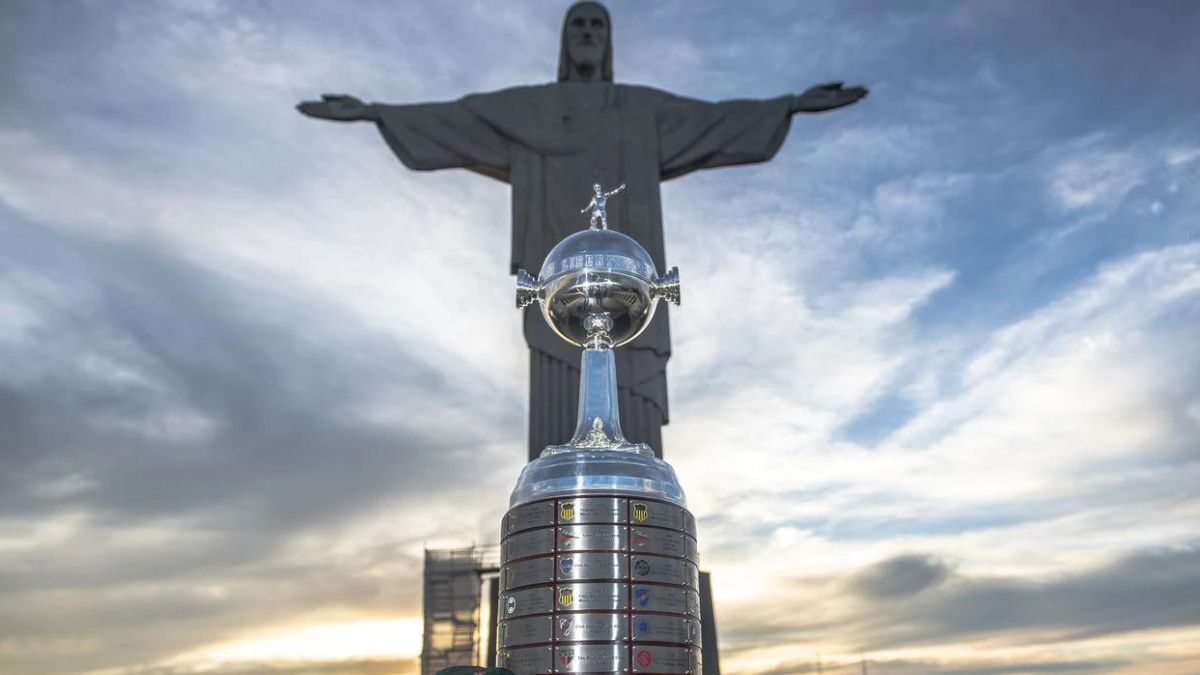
x: 592, y: 538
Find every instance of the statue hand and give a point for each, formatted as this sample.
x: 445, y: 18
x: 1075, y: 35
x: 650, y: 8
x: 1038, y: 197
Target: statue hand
x: 338, y: 107
x: 827, y: 96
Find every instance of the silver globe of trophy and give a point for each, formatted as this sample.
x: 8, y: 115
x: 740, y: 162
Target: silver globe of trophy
x: 598, y: 565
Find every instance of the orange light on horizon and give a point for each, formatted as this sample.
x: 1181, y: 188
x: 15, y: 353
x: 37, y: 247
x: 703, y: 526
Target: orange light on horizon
x: 379, y: 639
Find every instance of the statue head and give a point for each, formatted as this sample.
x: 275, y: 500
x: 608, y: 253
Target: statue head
x: 586, y: 53
x: 596, y: 187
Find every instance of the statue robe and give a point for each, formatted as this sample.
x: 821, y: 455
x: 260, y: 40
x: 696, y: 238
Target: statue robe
x: 551, y: 143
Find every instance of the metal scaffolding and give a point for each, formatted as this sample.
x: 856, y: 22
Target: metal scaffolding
x: 452, y: 606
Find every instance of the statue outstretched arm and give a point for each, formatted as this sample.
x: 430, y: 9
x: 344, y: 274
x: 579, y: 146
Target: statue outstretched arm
x: 696, y: 134
x: 590, y: 204
x: 609, y: 194
x: 339, y: 108
x: 426, y: 136
x: 702, y: 135
x: 827, y: 96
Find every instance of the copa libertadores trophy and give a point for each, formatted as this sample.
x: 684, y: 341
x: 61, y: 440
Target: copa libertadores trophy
x: 598, y: 565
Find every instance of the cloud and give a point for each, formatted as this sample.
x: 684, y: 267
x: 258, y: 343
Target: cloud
x: 297, y: 667
x: 933, y: 383
x: 935, y: 667
x: 1148, y: 590
x: 163, y: 436
x: 910, y: 613
x: 1096, y: 177
x: 991, y: 466
x: 901, y: 576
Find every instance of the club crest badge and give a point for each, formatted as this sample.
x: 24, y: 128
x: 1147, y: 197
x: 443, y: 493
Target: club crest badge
x: 642, y: 596
x: 510, y: 605
x: 640, y: 539
x: 644, y: 659
x: 565, y: 566
x: 566, y: 597
x: 566, y: 511
x: 640, y: 512
x: 566, y: 657
x: 642, y: 567
x: 566, y: 540
x: 565, y: 626
x: 643, y: 628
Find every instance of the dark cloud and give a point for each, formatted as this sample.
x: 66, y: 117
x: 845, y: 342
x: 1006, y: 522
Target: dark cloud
x: 142, y: 342
x: 900, y: 577
x: 122, y: 337
x: 917, y: 601
x: 144, y: 620
x: 1157, y: 589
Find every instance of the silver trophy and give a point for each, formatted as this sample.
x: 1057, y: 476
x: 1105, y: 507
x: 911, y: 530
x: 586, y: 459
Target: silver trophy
x: 598, y: 565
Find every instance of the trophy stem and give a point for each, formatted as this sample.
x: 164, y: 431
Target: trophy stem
x: 599, y: 423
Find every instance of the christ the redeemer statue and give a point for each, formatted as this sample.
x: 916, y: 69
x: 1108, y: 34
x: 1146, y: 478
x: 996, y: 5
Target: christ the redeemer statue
x: 550, y: 142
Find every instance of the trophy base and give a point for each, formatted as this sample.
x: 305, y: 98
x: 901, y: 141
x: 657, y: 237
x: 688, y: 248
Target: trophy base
x: 576, y: 471
x: 601, y: 583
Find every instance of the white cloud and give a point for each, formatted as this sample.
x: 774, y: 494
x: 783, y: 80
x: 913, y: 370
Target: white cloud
x: 1095, y: 176
x: 1056, y: 407
x: 1183, y: 155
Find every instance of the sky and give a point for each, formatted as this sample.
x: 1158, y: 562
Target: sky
x: 935, y: 383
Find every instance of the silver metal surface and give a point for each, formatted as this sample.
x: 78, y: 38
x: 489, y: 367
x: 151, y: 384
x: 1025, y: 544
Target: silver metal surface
x: 615, y: 532
x: 591, y: 510
x: 578, y: 551
x: 693, y: 576
x: 667, y: 287
x: 661, y: 628
x: 523, y: 603
x: 664, y: 570
x: 599, y: 206
x: 527, y: 289
x: 532, y: 630
x: 527, y: 660
x: 529, y: 516
x: 527, y: 573
x: 653, y: 659
x: 527, y: 544
x: 663, y: 542
x: 592, y: 538
x: 666, y: 599
x: 655, y: 514
x: 590, y: 596
x: 584, y: 627
x: 598, y: 273
x: 584, y: 566
x: 591, y: 659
